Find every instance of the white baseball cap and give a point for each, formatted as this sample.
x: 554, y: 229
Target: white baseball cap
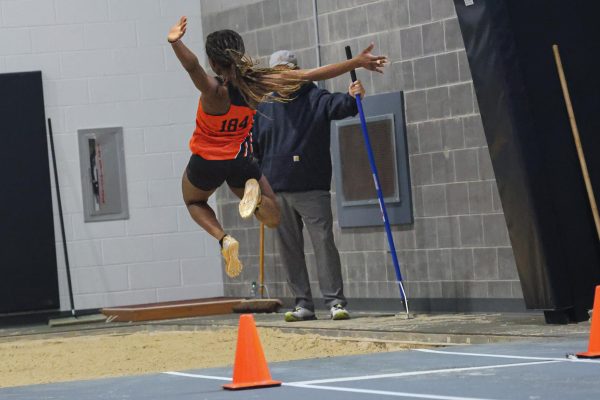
x: 283, y: 57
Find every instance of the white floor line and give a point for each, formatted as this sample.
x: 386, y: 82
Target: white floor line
x: 386, y: 393
x: 218, y: 378
x: 414, y: 373
x: 508, y: 356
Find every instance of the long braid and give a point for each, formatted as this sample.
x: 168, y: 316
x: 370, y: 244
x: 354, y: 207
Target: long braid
x: 226, y: 49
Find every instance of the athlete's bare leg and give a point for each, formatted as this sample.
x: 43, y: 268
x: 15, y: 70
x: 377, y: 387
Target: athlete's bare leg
x: 268, y: 212
x: 196, y: 201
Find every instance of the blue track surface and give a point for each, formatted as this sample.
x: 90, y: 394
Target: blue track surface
x: 499, y: 371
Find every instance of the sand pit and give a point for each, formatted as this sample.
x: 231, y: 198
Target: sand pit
x: 27, y: 362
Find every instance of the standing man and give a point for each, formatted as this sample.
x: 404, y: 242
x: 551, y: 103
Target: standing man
x: 293, y: 148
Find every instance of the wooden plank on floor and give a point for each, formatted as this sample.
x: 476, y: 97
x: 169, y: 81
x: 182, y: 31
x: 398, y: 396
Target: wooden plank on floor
x: 172, y: 309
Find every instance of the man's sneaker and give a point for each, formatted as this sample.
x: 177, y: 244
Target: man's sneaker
x: 299, y: 314
x: 338, y: 312
x: 233, y: 265
x: 251, y: 199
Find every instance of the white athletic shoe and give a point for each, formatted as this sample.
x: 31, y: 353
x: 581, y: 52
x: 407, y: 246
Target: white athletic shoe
x: 299, y: 314
x: 338, y: 312
x: 230, y: 251
x: 251, y: 199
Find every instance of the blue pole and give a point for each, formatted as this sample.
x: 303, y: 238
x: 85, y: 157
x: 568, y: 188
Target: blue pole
x: 386, y: 223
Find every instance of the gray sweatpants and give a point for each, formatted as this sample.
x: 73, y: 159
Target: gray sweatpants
x: 313, y: 210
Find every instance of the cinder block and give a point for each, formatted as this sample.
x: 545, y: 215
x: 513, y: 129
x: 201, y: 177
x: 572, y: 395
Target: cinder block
x: 420, y: 11
x: 452, y: 134
x: 66, y: 92
x: 177, y: 8
x: 173, y: 138
x: 152, y: 221
x: 471, y: 230
x: 87, y: 64
x: 476, y: 290
x: 426, y: 233
x: 461, y: 99
x: 131, y: 10
x: 430, y: 137
x: 250, y: 43
x: 448, y: 232
x: 57, y: 38
x: 100, y: 279
x: 376, y: 267
x: 417, y: 192
x: 440, y: 265
x: 399, y: 13
x: 416, y: 106
x: 414, y: 263
x: 412, y: 136
x: 26, y: 13
x: 486, y: 264
x: 264, y: 40
x: 127, y: 250
x: 438, y: 102
x: 378, y: 16
x: 15, y: 41
x: 412, y: 42
x: 151, y: 166
x: 97, y: 230
x: 207, y: 290
x: 305, y: 9
x: 143, y: 60
x: 282, y: 38
x: 114, y: 88
x: 495, y: 231
x: 433, y: 38
x: 356, y: 21
x: 453, y: 35
x: 165, y: 192
x: 338, y: 26
x: 425, y: 73
x: 421, y: 169
x: 49, y: 63
x: 462, y: 264
x: 155, y: 275
x: 302, y: 34
x: 137, y: 194
x: 480, y: 197
x: 447, y: 68
x: 177, y: 246
x: 496, y: 202
x: 110, y: 35
x: 443, y: 167
x: 465, y: 164
x: 254, y: 16
x: 288, y: 10
x: 271, y: 12
x: 434, y: 200
x: 441, y: 9
x: 407, y: 75
x: 81, y: 11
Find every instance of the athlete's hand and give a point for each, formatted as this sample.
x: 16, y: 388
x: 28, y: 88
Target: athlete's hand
x: 368, y: 61
x: 177, y: 31
x: 355, y: 88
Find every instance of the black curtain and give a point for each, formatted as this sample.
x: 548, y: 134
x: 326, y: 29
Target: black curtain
x: 28, y: 279
x: 551, y: 227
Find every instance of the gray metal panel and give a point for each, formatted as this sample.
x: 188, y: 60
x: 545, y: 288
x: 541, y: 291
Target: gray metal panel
x: 399, y: 205
x: 103, y: 181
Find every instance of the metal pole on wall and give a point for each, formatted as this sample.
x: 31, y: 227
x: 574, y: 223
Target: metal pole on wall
x: 578, y: 146
x: 62, y: 222
x: 384, y: 215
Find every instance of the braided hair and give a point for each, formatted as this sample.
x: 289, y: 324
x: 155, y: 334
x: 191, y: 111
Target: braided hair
x: 225, y: 48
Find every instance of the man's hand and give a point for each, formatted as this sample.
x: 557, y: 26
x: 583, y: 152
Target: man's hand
x: 355, y: 88
x: 368, y: 61
x: 177, y: 31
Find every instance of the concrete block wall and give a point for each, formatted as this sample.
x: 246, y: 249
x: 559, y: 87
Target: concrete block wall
x: 458, y: 246
x: 107, y: 63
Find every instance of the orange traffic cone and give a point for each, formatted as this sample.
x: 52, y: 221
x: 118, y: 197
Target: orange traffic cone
x: 594, y: 345
x: 250, y: 369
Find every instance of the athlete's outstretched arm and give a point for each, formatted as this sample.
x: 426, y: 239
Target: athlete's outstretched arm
x: 363, y: 60
x: 204, y: 82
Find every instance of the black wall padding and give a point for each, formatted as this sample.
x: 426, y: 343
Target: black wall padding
x: 551, y: 227
x: 28, y: 273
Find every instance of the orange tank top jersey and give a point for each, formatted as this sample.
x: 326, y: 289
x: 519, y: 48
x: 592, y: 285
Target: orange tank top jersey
x: 227, y: 136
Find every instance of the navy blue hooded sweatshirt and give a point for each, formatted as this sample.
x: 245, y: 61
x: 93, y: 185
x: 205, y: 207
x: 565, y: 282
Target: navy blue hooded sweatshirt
x: 292, y: 139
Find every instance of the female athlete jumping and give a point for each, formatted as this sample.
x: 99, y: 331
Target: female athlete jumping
x: 221, y: 144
